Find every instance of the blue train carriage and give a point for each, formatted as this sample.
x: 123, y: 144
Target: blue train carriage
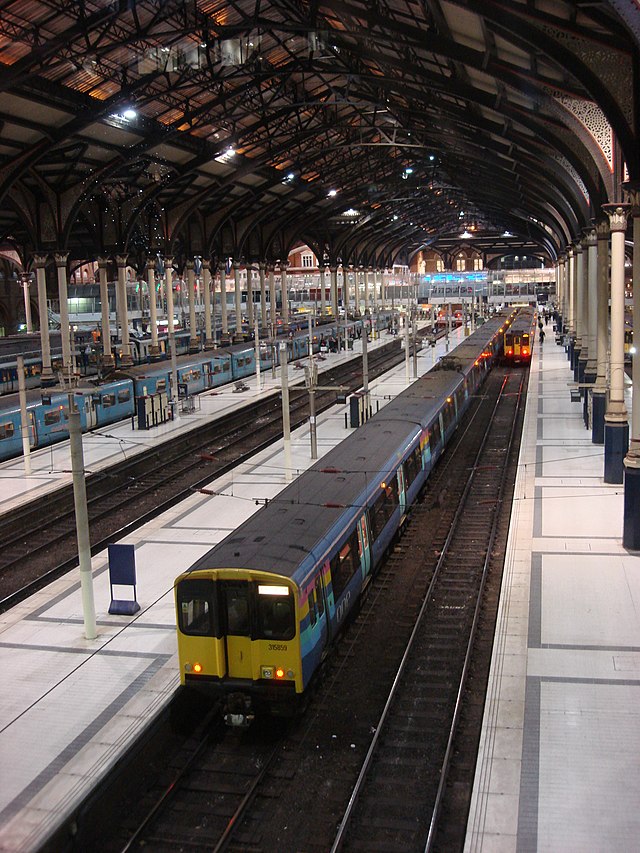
x: 257, y: 614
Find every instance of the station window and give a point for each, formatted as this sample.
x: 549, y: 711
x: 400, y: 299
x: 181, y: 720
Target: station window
x: 344, y: 565
x: 384, y: 506
x: 308, y: 261
x: 6, y: 430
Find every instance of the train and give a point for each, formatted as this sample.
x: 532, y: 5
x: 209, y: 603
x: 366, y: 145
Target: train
x: 257, y: 615
x: 519, y: 337
x: 115, y: 400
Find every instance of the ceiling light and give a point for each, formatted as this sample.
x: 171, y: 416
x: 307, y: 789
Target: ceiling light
x: 332, y: 192
x: 465, y: 235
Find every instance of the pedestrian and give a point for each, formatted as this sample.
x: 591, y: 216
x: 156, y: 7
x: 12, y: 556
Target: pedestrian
x: 86, y: 350
x: 541, y: 335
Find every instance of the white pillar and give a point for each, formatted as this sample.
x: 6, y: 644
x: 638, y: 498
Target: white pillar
x: 168, y: 274
x: 153, y: 308
x: 224, y: 319
x: 26, y: 281
x: 263, y: 295
x: 63, y: 297
x: 249, y: 273
x: 105, y: 331
x: 194, y: 343
x: 46, y: 377
x: 571, y: 282
x: 273, y: 297
x: 323, y: 296
x: 121, y: 261
x: 333, y: 271
x: 209, y: 341
x: 284, y: 294
x: 238, y: 301
x: 592, y: 295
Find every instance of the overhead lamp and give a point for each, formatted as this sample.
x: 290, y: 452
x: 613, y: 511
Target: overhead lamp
x: 332, y: 192
x: 230, y: 152
x: 507, y: 234
x: 290, y: 176
x: 465, y: 235
x: 129, y: 113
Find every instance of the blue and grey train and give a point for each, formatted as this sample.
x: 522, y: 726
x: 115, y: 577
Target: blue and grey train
x: 257, y: 614
x: 115, y: 400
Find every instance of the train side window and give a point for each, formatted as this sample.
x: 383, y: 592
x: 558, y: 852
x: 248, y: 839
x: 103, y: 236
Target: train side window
x: 319, y: 595
x: 161, y: 385
x: 383, y: 507
x: 276, y: 612
x: 344, y: 565
x: 434, y: 437
x: 226, y: 366
x: 108, y: 400
x: 124, y: 395
x: 6, y: 430
x: 413, y: 465
x: 196, y: 612
x: 52, y: 417
x: 313, y: 610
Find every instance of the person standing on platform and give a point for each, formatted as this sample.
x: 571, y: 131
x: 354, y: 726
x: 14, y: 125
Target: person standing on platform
x: 541, y: 335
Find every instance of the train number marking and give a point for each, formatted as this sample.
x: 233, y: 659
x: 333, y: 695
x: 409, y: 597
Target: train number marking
x: 277, y: 647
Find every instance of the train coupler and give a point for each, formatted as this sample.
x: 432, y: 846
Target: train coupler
x: 238, y: 712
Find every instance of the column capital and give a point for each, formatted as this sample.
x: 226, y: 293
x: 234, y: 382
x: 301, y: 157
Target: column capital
x: 235, y: 265
x: 590, y: 236
x: 577, y: 246
x: 168, y: 261
x: 262, y: 266
x: 617, y: 213
x: 151, y: 264
x: 121, y: 260
x: 570, y: 251
x: 189, y: 265
x: 206, y: 264
x: 632, y: 195
x: 602, y: 229
x: 284, y: 265
x: 61, y: 258
x: 40, y: 260
x: 103, y: 262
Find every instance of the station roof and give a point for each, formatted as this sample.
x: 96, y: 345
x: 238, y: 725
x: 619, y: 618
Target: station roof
x: 368, y: 129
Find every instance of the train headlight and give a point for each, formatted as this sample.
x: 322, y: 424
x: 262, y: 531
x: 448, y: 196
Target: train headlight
x: 279, y: 672
x: 632, y: 350
x: 197, y: 668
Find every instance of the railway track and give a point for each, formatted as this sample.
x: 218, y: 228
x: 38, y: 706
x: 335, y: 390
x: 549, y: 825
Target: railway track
x: 38, y: 540
x: 308, y: 780
x: 398, y: 799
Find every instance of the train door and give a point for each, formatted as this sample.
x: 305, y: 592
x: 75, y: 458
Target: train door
x: 364, y: 547
x: 90, y: 412
x: 207, y: 370
x: 236, y: 606
x: 402, y: 494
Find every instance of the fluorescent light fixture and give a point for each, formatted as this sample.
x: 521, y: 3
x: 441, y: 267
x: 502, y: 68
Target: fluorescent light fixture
x: 273, y: 590
x: 332, y: 192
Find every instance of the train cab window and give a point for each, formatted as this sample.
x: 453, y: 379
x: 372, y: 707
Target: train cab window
x: 161, y: 385
x: 216, y: 368
x: 276, y: 612
x: 196, y: 611
x: 108, y: 400
x: 344, y: 565
x: 6, y: 430
x: 236, y: 601
x: 226, y: 366
x: 124, y: 395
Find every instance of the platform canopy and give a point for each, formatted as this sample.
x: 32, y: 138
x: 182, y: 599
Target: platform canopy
x: 368, y: 129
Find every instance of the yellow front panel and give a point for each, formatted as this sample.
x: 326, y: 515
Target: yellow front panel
x: 239, y: 656
x: 208, y: 652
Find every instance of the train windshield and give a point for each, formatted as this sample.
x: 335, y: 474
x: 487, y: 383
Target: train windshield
x: 238, y: 608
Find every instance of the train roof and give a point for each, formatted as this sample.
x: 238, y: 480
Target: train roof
x: 325, y: 497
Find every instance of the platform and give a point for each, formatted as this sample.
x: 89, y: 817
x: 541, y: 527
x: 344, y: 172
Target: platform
x: 70, y: 707
x: 559, y: 762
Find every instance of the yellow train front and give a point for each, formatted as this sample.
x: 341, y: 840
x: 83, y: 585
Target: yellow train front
x: 238, y: 629
x: 519, y: 337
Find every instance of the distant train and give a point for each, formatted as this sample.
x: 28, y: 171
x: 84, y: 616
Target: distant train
x: 257, y: 614
x: 519, y: 337
x: 115, y: 400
